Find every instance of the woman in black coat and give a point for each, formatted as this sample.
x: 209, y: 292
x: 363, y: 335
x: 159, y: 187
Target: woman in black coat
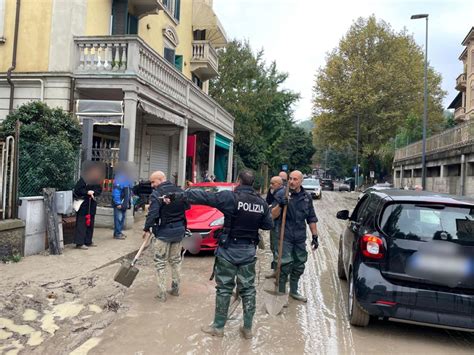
x: 87, y: 189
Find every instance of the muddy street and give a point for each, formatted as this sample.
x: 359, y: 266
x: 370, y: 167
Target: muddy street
x: 94, y: 315
x: 320, y: 326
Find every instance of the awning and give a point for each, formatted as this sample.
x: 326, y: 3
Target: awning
x: 204, y: 18
x: 102, y: 112
x: 222, y: 142
x: 457, y: 102
x: 156, y: 111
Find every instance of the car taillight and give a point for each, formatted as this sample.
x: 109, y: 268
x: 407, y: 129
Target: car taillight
x: 372, y: 246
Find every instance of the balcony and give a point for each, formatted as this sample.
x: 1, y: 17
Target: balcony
x: 204, y: 62
x: 144, y: 7
x: 110, y: 57
x: 457, y: 137
x: 461, y: 82
x: 460, y: 114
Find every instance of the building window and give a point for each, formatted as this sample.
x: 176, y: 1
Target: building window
x: 170, y: 55
x: 197, y: 81
x: 174, y: 7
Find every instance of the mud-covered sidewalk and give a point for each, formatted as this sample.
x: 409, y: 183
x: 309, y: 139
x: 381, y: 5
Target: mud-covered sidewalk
x: 52, y: 304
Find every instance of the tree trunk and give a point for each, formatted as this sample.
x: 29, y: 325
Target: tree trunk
x: 52, y: 223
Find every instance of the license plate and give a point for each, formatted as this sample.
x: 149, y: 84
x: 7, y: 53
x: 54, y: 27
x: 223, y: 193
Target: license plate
x: 455, y: 266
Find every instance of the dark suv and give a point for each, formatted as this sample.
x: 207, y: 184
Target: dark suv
x: 327, y: 184
x: 409, y: 256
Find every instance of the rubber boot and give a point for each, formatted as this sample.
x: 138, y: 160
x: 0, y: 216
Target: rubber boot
x: 211, y: 330
x: 174, y: 289
x: 294, y: 292
x: 246, y: 332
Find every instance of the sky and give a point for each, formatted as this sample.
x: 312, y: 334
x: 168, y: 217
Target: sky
x: 298, y: 34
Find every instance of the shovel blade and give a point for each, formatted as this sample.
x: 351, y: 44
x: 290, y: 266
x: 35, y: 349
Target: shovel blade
x: 274, y: 302
x: 192, y: 243
x: 126, y: 274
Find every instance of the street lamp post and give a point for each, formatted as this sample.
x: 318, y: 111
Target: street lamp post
x: 425, y: 109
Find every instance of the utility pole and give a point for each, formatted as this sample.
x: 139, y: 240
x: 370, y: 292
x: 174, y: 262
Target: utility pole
x: 357, y: 156
x: 425, y: 108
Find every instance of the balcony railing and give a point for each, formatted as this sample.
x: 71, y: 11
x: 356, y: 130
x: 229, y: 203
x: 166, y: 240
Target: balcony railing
x: 205, y: 62
x: 459, y: 136
x: 461, y: 82
x: 130, y: 56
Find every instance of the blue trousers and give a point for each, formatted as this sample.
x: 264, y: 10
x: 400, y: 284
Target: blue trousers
x: 119, y: 220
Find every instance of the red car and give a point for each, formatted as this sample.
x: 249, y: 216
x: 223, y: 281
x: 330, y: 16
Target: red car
x: 205, y: 220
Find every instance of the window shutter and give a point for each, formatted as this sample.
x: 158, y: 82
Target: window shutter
x: 119, y: 17
x: 170, y: 55
x: 178, y: 62
x: 177, y: 9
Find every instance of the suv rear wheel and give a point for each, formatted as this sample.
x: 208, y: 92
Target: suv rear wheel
x: 357, y: 316
x: 341, y: 273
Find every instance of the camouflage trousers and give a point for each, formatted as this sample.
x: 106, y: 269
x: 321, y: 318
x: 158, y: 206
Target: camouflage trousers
x: 227, y: 274
x: 293, y: 262
x: 167, y: 252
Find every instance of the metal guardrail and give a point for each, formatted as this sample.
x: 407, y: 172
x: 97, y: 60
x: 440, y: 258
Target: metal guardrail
x: 131, y: 56
x: 459, y: 136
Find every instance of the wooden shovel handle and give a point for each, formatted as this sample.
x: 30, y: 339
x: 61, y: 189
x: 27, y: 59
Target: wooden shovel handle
x: 282, y: 237
x: 145, y: 242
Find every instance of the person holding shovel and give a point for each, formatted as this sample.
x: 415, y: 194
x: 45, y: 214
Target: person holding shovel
x: 276, y: 184
x: 245, y: 212
x: 168, y: 222
x: 300, y: 211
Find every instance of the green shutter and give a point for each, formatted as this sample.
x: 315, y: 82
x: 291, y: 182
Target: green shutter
x: 178, y: 62
x: 222, y: 142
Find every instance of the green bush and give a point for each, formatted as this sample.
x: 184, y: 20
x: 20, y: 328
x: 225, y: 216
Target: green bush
x: 49, y: 147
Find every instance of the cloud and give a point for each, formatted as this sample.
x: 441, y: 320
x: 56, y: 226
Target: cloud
x: 297, y: 34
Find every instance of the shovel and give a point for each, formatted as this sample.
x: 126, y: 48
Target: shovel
x: 128, y: 272
x: 275, y: 300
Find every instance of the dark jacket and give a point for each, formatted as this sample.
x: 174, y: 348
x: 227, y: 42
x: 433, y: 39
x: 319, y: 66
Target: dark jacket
x: 225, y: 201
x: 300, y: 211
x: 80, y: 193
x: 167, y: 232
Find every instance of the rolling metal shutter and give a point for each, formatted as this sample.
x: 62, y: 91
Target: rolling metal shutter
x: 160, y: 154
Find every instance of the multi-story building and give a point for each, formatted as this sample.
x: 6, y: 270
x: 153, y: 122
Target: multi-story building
x: 450, y: 154
x: 135, y: 72
x: 463, y: 104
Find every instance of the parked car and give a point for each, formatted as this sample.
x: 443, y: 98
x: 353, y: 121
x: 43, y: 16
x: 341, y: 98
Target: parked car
x: 347, y: 185
x: 409, y: 256
x: 376, y: 187
x: 205, y: 220
x: 313, y: 187
x: 327, y: 184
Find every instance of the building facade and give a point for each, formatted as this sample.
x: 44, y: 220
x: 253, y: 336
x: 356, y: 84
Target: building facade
x: 450, y: 154
x: 463, y: 104
x: 135, y: 72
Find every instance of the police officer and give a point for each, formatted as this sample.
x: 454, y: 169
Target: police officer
x: 245, y: 212
x: 276, y: 184
x: 168, y: 223
x: 299, y: 212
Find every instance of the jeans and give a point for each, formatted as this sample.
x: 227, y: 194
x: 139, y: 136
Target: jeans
x: 119, y: 220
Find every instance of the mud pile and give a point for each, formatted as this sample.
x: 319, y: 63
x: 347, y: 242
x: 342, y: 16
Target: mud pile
x: 57, y: 317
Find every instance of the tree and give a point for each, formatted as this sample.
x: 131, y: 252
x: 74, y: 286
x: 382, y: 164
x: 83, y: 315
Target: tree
x: 252, y: 92
x: 377, y: 74
x: 49, y: 147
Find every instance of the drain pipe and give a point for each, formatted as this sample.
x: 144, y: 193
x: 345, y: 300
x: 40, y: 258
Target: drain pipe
x: 13, y: 66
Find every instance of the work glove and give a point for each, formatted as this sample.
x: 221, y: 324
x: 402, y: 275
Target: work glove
x: 314, y: 242
x: 283, y: 202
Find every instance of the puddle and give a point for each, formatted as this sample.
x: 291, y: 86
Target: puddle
x: 84, y: 348
x: 11, y: 349
x: 35, y: 339
x: 48, y: 324
x: 20, y: 329
x: 4, y: 334
x: 67, y: 310
x: 94, y: 308
x: 61, y: 311
x: 30, y: 315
